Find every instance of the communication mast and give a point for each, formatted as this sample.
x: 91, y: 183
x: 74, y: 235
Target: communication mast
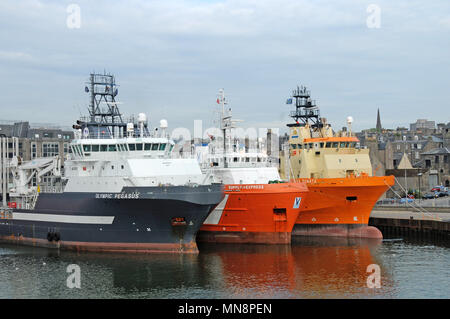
x: 105, y: 119
x: 306, y: 110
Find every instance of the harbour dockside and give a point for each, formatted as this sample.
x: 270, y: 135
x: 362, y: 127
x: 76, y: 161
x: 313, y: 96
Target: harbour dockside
x: 122, y: 186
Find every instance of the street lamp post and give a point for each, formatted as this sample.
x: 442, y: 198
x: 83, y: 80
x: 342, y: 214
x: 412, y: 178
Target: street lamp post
x: 419, y: 176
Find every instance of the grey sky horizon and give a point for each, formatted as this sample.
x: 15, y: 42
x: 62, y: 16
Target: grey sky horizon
x: 170, y: 58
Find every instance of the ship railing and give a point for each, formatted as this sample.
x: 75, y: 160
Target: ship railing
x: 305, y: 112
x: 401, y: 202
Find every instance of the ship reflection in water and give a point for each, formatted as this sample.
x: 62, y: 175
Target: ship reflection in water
x: 309, y: 268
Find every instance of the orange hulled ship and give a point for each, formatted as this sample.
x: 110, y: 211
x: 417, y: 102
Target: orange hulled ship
x: 254, y: 209
x: 255, y: 213
x: 338, y: 173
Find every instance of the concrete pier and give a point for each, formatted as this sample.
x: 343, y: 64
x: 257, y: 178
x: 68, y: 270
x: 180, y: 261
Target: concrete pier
x: 408, y: 222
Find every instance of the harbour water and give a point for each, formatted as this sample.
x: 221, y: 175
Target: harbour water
x: 309, y: 268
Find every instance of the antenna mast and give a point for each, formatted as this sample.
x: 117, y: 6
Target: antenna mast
x: 306, y: 110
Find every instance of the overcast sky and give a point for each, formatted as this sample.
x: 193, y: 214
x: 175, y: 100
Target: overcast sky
x: 171, y: 57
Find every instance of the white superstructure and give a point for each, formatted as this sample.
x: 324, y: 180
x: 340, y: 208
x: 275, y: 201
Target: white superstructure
x: 231, y: 162
x: 108, y: 165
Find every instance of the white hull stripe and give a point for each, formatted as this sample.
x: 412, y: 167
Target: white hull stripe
x: 216, y: 214
x: 73, y: 219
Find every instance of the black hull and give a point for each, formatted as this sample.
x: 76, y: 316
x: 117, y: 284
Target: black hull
x: 142, y: 219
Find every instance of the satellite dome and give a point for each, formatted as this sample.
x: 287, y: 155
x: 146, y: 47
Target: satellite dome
x: 163, y: 123
x: 142, y: 117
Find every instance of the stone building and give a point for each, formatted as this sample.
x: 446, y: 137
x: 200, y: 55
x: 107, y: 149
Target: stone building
x: 37, y: 142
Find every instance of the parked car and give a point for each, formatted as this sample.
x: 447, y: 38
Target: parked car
x: 430, y: 195
x: 442, y: 194
x: 403, y: 200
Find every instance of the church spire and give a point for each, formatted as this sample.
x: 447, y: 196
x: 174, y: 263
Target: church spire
x: 379, y: 127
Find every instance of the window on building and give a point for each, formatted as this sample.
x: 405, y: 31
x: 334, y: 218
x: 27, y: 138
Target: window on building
x: 436, y: 159
x: 427, y: 163
x: 33, y: 150
x: 50, y: 149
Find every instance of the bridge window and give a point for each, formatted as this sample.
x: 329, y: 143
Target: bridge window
x: 342, y: 145
x: 335, y: 144
x: 147, y: 147
x: 300, y: 146
x: 95, y: 148
x: 155, y: 147
x: 132, y: 147
x: 162, y: 146
x: 139, y: 147
x: 87, y: 148
x: 103, y: 148
x: 321, y: 145
x: 112, y: 148
x: 310, y: 145
x: 294, y: 146
x: 328, y: 145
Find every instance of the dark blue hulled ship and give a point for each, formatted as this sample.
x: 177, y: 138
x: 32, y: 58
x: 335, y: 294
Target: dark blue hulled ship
x: 120, y: 189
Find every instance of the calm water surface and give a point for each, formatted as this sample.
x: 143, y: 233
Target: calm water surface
x: 309, y: 268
